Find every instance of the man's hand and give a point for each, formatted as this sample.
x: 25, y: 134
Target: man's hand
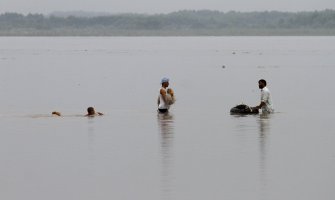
x: 170, y: 91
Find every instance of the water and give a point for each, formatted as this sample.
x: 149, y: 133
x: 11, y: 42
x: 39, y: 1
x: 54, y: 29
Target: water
x: 198, y: 151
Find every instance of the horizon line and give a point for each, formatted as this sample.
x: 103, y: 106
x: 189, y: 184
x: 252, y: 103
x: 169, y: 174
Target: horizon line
x: 161, y: 13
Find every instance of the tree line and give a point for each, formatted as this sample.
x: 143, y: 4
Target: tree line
x: 187, y: 22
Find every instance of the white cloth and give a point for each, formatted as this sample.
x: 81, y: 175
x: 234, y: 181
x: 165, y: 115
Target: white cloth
x: 266, y: 98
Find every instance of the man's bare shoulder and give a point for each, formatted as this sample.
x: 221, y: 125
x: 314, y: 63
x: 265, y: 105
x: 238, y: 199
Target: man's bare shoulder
x: 162, y: 91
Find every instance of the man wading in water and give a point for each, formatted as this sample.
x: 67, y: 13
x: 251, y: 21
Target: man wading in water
x: 266, y: 103
x: 166, y: 97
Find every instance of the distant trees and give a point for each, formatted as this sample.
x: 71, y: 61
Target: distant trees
x: 187, y: 22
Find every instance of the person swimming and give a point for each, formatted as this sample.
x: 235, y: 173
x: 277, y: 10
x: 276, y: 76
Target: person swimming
x: 91, y: 112
x: 56, y: 113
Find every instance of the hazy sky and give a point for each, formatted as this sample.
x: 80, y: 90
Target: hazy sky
x: 160, y: 6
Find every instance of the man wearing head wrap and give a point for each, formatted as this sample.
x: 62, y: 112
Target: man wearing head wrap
x: 166, y: 96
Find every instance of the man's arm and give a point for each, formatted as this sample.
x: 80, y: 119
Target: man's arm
x: 170, y: 96
x: 163, y: 93
x: 260, y: 105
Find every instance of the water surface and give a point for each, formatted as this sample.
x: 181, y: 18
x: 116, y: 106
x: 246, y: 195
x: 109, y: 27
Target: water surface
x: 198, y: 150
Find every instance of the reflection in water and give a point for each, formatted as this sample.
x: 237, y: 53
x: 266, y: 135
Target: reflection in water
x: 264, y: 131
x: 165, y: 122
x: 242, y: 126
x: 91, y: 143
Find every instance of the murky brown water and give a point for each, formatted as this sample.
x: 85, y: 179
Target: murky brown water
x: 198, y: 150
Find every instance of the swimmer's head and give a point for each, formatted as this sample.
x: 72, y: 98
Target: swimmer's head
x: 90, y: 111
x: 56, y: 113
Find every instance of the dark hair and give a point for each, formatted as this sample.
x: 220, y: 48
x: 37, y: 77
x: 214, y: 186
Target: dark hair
x: 90, y: 109
x: 262, y: 81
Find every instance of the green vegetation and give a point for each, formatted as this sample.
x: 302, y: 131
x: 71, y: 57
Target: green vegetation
x: 181, y: 23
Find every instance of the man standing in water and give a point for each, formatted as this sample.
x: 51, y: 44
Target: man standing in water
x: 266, y: 103
x: 166, y: 96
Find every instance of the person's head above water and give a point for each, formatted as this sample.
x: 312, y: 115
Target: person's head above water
x: 90, y: 111
x: 165, y: 82
x: 55, y: 113
x: 261, y: 83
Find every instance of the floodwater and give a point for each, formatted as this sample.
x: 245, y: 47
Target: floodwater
x: 197, y: 151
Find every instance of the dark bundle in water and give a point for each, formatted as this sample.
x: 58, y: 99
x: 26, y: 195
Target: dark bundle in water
x: 243, y: 109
